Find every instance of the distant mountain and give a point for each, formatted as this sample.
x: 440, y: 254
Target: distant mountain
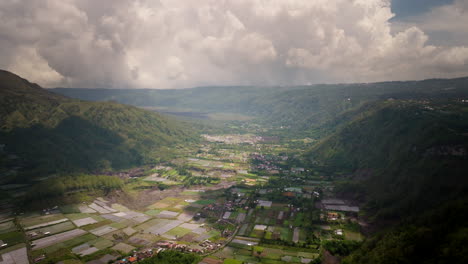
x: 300, y: 107
x: 49, y: 132
x: 406, y: 161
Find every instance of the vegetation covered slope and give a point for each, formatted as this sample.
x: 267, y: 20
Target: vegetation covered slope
x: 50, y: 132
x: 300, y: 107
x: 406, y: 160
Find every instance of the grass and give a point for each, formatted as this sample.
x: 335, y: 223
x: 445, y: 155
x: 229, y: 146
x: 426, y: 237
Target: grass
x: 240, y: 246
x: 150, y: 223
x: 190, y: 193
x: 273, y: 253
x: 258, y: 249
x: 98, y: 218
x: 232, y: 261
x: 233, y: 215
x: 298, y: 220
x: 285, y: 234
x: 307, y: 255
x: 67, y: 244
x: 77, y: 216
x: 191, y: 209
x: 60, y: 254
x: 152, y: 212
x: 120, y: 208
x: 118, y: 225
x: 214, y: 233
x: 12, y: 238
x: 7, y: 227
x: 96, y: 225
x: 9, y: 249
x: 101, y: 243
x: 32, y: 221
x: 69, y: 209
x: 205, y: 202
x: 257, y: 233
x: 58, y: 228
x: 168, y: 202
x: 122, y: 247
x: 349, y: 235
x: 245, y: 258
x: 71, y: 261
x: 178, y: 231
x: 271, y: 261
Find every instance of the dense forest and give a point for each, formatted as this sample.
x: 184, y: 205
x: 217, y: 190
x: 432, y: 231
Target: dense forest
x: 45, y: 132
x: 172, y: 257
x: 312, y: 107
x: 56, y: 189
x: 405, y: 161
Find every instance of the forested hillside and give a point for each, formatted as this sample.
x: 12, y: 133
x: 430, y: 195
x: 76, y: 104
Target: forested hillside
x: 300, y: 107
x: 46, y: 132
x: 406, y: 161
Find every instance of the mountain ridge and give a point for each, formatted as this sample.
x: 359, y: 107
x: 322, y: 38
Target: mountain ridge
x: 53, y: 132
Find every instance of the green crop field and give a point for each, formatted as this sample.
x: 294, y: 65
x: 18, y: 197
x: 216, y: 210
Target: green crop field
x: 7, y: 227
x: 69, y: 209
x: 36, y: 220
x: 285, y: 234
x: 152, y: 212
x: 352, y: 235
x: 77, y: 216
x: 232, y: 261
x: 101, y: 243
x: 68, y: 244
x: 298, y: 220
x: 205, y: 202
x: 58, y: 228
x: 178, y: 231
x: 12, y: 238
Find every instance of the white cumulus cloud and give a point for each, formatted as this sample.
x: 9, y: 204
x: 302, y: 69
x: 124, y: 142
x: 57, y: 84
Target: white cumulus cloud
x: 184, y: 43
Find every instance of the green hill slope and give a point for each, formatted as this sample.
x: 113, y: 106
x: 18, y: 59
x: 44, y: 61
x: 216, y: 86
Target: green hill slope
x: 49, y: 132
x: 406, y: 161
x: 401, y: 151
x: 300, y: 107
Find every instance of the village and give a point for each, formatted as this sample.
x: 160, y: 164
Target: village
x: 227, y: 201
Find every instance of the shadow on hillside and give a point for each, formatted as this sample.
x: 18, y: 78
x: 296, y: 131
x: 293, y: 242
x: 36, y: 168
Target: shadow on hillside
x: 75, y: 144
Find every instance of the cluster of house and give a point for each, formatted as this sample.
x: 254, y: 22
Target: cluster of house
x: 233, y: 139
x: 237, y: 203
x: 213, y: 207
x: 138, y: 256
x: 305, y: 192
x: 265, y: 162
x: 209, y: 246
x: 332, y: 216
x: 206, y: 245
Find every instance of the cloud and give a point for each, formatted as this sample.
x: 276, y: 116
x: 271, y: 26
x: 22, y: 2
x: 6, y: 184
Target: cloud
x: 445, y: 24
x: 183, y: 43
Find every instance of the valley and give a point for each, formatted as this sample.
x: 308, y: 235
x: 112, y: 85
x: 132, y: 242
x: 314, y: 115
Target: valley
x: 233, y: 198
x: 360, y: 173
x: 233, y: 132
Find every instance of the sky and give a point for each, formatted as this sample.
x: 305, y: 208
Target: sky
x: 165, y: 44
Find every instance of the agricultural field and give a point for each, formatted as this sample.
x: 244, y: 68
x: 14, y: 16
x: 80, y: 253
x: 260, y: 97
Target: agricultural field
x: 224, y: 200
